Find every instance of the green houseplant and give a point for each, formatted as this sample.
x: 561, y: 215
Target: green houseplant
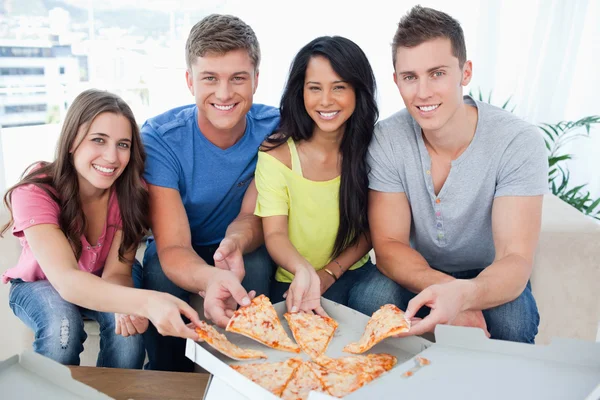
x: 556, y: 136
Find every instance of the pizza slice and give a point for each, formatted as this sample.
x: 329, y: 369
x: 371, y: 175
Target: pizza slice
x: 259, y: 321
x: 389, y: 320
x: 218, y: 341
x: 311, y: 331
x: 272, y: 376
x: 373, y: 365
x: 339, y: 383
x: 301, y: 384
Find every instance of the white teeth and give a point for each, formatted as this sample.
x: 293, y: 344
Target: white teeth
x: 102, y: 169
x: 429, y: 108
x: 224, y: 108
x: 328, y: 115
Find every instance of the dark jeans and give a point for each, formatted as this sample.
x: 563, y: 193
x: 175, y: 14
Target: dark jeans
x: 59, y: 331
x: 364, y: 289
x: 167, y: 353
x: 516, y: 321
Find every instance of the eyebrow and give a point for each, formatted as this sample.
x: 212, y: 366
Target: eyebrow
x: 428, y: 71
x: 105, y: 135
x: 215, y: 73
x: 318, y: 83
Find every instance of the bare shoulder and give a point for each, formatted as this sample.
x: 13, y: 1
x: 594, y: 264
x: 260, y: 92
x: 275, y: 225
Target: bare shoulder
x: 281, y: 153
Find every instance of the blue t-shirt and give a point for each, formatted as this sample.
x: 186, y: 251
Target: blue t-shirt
x: 210, y: 180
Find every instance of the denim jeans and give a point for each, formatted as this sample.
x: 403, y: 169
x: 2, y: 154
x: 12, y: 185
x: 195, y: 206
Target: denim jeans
x: 58, y: 327
x: 364, y: 289
x: 515, y: 321
x: 167, y: 353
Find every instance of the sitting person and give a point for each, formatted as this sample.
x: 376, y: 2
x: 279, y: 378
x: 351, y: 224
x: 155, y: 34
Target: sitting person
x: 456, y: 191
x: 80, y: 220
x: 200, y: 168
x: 312, y: 182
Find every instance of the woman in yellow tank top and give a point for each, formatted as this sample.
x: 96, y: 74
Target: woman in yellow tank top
x: 312, y: 182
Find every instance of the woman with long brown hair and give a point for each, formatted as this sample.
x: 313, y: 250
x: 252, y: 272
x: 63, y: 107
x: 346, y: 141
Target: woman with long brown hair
x: 80, y: 219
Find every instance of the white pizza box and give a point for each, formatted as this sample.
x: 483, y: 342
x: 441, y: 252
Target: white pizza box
x: 32, y: 376
x: 465, y: 364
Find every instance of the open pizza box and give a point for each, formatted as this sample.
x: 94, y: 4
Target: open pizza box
x: 465, y: 364
x: 32, y: 376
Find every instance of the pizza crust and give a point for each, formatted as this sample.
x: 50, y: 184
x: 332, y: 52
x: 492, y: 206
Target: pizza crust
x: 219, y: 342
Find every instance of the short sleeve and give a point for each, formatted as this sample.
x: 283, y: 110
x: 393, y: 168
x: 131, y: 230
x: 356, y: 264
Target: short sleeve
x: 162, y: 167
x: 524, y: 166
x: 383, y: 173
x: 31, y: 205
x: 273, y: 196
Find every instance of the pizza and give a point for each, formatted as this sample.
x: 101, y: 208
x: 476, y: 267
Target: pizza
x: 218, y: 341
x: 272, y: 376
x: 389, y: 320
x: 311, y: 331
x: 373, y: 365
x: 339, y: 383
x: 301, y: 384
x: 259, y: 321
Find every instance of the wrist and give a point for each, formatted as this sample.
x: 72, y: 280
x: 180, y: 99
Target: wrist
x: 470, y: 294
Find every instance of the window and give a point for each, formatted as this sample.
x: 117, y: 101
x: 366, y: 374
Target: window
x: 25, y: 108
x: 22, y: 71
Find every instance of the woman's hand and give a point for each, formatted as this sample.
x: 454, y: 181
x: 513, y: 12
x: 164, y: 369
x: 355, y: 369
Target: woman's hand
x: 304, y: 293
x: 130, y: 325
x: 325, y: 279
x: 164, y: 311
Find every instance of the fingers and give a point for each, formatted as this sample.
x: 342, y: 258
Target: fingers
x: 237, y: 292
x: 415, y: 304
x: 296, y: 300
x: 289, y: 297
x: 189, y: 312
x: 423, y: 326
x: 225, y: 248
x: 218, y: 315
x: 128, y: 325
x: 252, y: 294
x: 320, y: 311
x: 117, y: 325
x: 140, y: 323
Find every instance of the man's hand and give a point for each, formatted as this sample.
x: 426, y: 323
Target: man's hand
x: 130, y: 325
x: 223, y: 294
x: 447, y: 303
x: 471, y: 318
x: 229, y: 257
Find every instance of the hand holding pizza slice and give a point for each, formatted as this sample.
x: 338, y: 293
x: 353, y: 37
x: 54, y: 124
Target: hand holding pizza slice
x: 388, y: 321
x: 259, y: 321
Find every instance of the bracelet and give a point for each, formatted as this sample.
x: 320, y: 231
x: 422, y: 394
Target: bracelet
x: 339, y: 265
x: 331, y: 273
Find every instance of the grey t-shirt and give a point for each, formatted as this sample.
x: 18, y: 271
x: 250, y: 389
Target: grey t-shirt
x: 453, y: 231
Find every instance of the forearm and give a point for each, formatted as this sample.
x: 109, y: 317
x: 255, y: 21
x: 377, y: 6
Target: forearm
x: 119, y: 279
x: 349, y: 257
x: 283, y: 252
x: 185, y: 268
x: 94, y: 293
x: 247, y: 232
x: 501, y: 282
x: 407, y: 267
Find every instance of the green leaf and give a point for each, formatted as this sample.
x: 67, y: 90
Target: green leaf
x: 554, y: 160
x: 506, y: 102
x: 592, y: 206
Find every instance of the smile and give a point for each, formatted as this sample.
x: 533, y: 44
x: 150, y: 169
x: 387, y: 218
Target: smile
x: 428, y: 108
x: 328, y: 115
x: 223, y: 107
x: 103, y: 169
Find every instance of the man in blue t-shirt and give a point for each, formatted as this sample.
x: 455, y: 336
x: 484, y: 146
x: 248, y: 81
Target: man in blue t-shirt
x: 199, y: 169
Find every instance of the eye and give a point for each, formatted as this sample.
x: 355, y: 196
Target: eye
x: 209, y: 79
x: 408, y: 78
x: 124, y: 145
x: 339, y: 87
x: 98, y: 140
x: 438, y: 74
x: 239, y: 79
x: 314, y: 88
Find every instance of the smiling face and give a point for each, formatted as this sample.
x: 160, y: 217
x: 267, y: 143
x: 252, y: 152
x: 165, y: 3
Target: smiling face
x: 223, y: 86
x: 431, y: 82
x: 328, y: 99
x: 103, y: 151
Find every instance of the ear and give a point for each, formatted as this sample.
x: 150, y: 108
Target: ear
x: 395, y: 78
x: 255, y: 82
x: 467, y: 73
x: 189, y: 80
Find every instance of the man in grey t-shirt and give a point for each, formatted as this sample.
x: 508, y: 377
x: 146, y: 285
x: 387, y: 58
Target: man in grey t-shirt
x: 456, y: 191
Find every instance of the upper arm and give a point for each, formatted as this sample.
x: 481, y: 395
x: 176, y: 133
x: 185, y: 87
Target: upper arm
x: 389, y: 218
x: 113, y: 265
x: 272, y: 192
x: 168, y: 218
x: 516, y: 222
x: 52, y: 252
x: 162, y: 167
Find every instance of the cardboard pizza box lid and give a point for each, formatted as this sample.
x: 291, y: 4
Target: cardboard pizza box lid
x: 465, y: 364
x: 32, y: 376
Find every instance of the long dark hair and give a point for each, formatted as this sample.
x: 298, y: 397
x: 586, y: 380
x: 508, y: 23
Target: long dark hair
x: 60, y: 180
x: 351, y: 64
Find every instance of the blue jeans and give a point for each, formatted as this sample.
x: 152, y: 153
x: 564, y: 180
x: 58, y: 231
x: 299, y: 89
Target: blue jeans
x: 364, y: 289
x: 58, y: 327
x: 515, y: 321
x: 167, y: 353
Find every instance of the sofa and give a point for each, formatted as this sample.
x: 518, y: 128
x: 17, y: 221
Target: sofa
x: 564, y: 281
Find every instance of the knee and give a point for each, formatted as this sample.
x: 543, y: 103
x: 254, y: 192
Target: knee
x: 516, y: 321
x: 377, y: 291
x: 61, y: 339
x: 122, y: 352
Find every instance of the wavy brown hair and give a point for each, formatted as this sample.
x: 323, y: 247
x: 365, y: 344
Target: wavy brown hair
x: 59, y: 178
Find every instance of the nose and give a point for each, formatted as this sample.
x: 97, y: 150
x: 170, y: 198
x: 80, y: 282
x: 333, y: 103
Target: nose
x: 110, y: 154
x: 326, y: 98
x: 424, y: 90
x: 223, y: 91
